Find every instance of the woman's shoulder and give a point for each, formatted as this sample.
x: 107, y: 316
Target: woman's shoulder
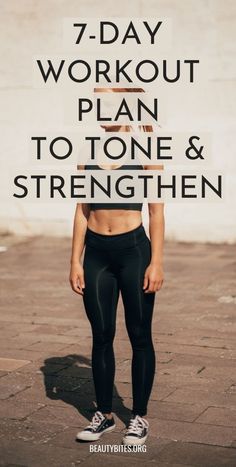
x: 80, y: 167
x: 153, y: 167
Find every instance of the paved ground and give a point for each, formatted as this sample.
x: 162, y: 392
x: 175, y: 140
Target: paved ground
x: 46, y: 390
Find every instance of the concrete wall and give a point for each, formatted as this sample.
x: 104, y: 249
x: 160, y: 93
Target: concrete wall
x: 205, y: 28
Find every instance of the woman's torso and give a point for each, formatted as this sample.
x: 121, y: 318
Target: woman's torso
x: 113, y: 220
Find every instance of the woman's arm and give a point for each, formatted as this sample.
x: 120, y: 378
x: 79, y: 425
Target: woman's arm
x: 79, y: 230
x: 156, y: 231
x: 154, y: 275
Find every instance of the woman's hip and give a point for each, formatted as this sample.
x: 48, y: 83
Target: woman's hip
x: 121, y: 241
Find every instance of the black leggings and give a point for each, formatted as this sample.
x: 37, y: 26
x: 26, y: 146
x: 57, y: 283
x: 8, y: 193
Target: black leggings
x: 114, y: 263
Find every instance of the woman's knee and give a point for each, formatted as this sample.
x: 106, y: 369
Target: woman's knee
x: 140, y: 338
x: 103, y: 338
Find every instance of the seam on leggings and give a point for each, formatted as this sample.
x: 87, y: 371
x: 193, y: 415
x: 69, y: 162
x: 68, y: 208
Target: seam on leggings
x: 97, y: 292
x: 140, y: 264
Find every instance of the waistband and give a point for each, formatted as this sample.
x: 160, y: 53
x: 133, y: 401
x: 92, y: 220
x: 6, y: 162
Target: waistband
x: 115, y: 241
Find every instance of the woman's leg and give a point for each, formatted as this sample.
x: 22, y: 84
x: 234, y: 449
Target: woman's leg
x: 100, y: 300
x: 138, y: 316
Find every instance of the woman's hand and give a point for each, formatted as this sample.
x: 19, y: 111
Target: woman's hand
x: 153, y: 278
x: 77, y: 278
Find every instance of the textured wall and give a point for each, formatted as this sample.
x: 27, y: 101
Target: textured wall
x: 205, y: 28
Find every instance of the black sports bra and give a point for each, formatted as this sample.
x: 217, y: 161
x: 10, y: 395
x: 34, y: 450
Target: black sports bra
x: 127, y: 206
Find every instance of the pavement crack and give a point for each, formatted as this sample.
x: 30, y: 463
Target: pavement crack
x: 201, y: 369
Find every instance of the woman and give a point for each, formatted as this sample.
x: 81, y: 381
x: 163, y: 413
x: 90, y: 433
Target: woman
x: 119, y: 257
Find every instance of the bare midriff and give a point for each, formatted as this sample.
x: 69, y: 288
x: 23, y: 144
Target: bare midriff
x: 113, y: 221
